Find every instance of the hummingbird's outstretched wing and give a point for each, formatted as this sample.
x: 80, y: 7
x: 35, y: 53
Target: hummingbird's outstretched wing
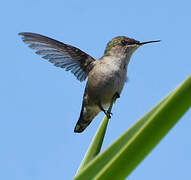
x: 60, y: 54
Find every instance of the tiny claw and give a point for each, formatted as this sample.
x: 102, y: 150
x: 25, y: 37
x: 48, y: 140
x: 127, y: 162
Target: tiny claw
x: 108, y: 114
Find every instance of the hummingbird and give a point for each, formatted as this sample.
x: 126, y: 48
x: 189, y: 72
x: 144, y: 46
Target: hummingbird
x: 106, y: 76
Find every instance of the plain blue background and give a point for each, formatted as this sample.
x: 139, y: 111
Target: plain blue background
x: 40, y: 104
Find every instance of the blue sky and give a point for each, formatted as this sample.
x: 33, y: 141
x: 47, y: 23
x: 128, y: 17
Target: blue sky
x: 40, y: 103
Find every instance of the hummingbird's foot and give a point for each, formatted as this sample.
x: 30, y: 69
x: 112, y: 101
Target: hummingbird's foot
x: 107, y: 113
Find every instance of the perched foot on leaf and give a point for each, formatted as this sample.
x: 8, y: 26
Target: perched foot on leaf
x: 107, y: 113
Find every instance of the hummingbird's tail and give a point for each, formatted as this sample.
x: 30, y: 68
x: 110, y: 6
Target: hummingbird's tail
x: 86, y: 116
x: 81, y: 125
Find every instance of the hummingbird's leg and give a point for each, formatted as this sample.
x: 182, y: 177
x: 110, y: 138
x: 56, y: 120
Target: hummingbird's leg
x: 108, y: 114
x: 115, y: 96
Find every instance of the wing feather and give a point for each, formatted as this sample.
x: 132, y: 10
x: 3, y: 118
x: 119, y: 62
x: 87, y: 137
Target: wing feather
x: 61, y: 55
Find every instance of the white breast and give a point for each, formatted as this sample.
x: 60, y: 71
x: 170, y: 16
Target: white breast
x: 108, y: 75
x: 115, y: 70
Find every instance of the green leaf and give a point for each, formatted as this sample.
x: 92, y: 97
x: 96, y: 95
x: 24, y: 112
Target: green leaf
x: 119, y: 159
x: 97, y: 141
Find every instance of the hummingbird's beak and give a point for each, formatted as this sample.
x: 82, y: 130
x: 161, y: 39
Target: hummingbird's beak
x: 147, y: 42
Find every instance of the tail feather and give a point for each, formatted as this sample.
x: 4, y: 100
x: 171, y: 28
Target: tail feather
x: 81, y: 125
x: 86, y: 116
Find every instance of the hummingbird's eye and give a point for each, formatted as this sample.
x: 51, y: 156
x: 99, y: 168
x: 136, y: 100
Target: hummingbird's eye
x: 123, y: 42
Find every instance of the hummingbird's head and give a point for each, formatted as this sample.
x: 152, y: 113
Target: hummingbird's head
x: 121, y: 45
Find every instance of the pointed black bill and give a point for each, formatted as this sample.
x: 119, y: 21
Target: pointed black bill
x: 147, y: 42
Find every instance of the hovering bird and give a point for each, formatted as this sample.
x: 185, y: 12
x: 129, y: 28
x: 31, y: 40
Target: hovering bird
x: 106, y: 76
